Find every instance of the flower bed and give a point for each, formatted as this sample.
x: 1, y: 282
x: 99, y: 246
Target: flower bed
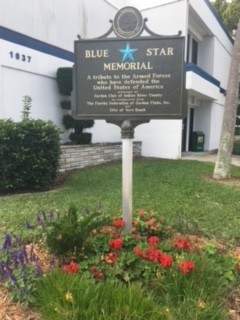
x: 154, y: 272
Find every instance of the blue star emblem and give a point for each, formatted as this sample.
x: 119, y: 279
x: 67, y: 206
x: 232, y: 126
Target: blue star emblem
x: 128, y: 53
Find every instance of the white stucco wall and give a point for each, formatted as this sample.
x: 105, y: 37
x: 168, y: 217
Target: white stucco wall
x: 54, y: 21
x: 161, y: 138
x: 37, y: 87
x: 221, y: 63
x: 34, y: 77
x: 206, y: 54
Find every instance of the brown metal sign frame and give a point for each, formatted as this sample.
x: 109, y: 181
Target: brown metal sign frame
x: 117, y: 118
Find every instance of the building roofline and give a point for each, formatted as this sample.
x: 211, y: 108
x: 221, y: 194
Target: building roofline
x: 205, y: 75
x: 35, y: 44
x: 219, y: 19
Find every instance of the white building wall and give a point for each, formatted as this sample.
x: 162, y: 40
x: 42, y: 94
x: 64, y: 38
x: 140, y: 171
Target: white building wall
x: 161, y: 138
x: 221, y: 64
x: 53, y: 21
x: 33, y: 74
x: 206, y: 54
x: 42, y: 90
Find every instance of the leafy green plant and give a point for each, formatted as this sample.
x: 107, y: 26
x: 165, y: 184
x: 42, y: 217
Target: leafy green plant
x: 27, y: 105
x: 68, y: 235
x: 78, y: 136
x: 29, y: 154
x: 61, y: 297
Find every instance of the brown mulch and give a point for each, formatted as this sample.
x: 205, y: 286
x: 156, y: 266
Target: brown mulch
x: 234, y: 305
x: 45, y: 259
x: 14, y: 311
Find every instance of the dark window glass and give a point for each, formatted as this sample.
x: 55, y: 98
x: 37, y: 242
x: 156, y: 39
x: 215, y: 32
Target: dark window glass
x: 194, y: 51
x: 188, y: 48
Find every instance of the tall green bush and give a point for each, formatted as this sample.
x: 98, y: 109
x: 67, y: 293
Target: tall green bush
x: 29, y: 154
x: 64, y: 81
x: 65, y: 86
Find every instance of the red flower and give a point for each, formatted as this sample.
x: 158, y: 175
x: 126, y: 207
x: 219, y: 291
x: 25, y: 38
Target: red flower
x: 182, y: 244
x: 71, y: 268
x: 118, y: 223
x: 111, y: 258
x: 97, y: 274
x: 152, y: 254
x: 153, y: 241
x: 116, y: 244
x: 186, y: 267
x: 138, y: 251
x: 166, y: 261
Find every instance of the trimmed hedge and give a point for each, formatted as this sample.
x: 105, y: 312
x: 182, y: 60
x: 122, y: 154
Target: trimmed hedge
x: 29, y: 154
x: 64, y: 81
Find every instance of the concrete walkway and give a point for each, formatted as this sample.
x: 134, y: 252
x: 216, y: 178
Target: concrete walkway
x: 207, y: 157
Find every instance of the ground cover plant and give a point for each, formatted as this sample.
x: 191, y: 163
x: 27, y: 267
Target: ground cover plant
x: 79, y: 298
x: 176, y: 276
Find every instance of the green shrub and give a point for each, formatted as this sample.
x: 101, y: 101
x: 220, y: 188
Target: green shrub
x: 68, y: 121
x: 66, y: 105
x: 64, y: 81
x: 78, y: 136
x: 69, y: 234
x: 29, y: 154
x: 62, y: 297
x: 84, y: 138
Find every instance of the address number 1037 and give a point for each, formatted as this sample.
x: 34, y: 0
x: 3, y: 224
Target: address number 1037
x: 20, y: 56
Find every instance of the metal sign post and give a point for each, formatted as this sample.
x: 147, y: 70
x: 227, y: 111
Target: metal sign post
x: 127, y: 173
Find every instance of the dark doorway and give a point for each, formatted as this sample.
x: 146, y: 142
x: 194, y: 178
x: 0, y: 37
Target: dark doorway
x: 184, y: 134
x: 191, y: 126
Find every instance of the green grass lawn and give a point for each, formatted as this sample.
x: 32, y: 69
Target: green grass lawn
x: 176, y: 190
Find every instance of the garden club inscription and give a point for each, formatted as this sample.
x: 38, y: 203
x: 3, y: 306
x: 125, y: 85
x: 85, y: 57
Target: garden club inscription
x: 134, y: 78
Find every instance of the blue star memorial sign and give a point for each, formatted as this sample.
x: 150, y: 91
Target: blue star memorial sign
x: 128, y: 53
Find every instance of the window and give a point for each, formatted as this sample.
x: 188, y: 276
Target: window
x: 192, y: 50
